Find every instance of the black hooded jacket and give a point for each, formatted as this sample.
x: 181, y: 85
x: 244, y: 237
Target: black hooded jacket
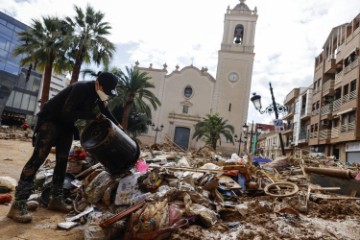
x: 77, y: 101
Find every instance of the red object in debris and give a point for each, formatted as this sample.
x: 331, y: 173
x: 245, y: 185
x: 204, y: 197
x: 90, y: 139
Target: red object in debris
x: 82, y: 155
x: 5, y: 198
x: 24, y: 126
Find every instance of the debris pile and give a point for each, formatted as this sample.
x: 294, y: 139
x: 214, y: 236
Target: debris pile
x: 171, y: 194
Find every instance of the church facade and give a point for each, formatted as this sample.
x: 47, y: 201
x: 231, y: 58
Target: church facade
x: 188, y: 94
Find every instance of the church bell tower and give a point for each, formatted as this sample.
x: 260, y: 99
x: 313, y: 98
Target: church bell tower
x: 235, y: 65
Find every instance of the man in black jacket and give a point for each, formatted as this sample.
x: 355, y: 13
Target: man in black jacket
x: 55, y: 127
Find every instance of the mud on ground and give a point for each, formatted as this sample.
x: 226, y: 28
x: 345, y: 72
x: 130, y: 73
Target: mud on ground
x: 325, y: 219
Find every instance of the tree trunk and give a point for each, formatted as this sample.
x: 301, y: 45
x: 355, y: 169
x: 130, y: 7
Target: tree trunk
x: 126, y: 115
x: 214, y: 145
x: 77, y: 66
x: 46, y: 84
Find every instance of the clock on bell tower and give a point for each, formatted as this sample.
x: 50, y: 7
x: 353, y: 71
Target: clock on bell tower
x: 235, y: 65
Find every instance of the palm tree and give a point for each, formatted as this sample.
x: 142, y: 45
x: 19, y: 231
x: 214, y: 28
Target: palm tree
x: 89, y: 42
x: 211, y: 128
x: 133, y: 89
x: 45, y: 44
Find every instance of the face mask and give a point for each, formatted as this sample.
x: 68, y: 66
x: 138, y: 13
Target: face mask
x: 103, y: 97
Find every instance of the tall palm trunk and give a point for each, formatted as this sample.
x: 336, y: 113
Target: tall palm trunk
x: 46, y: 85
x: 77, y: 66
x: 127, y: 110
x: 126, y: 115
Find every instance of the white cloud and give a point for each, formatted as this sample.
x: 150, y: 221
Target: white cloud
x: 289, y: 34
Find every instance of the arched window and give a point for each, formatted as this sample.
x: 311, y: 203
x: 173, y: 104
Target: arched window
x: 239, y: 34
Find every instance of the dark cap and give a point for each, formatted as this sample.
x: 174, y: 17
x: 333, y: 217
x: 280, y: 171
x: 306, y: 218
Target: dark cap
x: 108, y: 81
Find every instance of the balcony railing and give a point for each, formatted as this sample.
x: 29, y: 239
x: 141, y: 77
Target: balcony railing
x: 326, y: 109
x: 334, y: 132
x: 352, y: 95
x: 351, y: 66
x: 347, y: 127
x: 348, y: 97
x: 337, y: 104
x: 351, y: 126
x: 325, y: 134
x: 328, y: 85
x: 338, y: 77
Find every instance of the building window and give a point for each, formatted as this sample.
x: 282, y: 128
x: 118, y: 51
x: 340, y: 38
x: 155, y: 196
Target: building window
x: 229, y: 107
x: 353, y: 85
x: 346, y: 89
x: 188, y: 92
x: 185, y: 109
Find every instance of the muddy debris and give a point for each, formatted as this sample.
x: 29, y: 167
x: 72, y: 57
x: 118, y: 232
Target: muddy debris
x: 172, y: 194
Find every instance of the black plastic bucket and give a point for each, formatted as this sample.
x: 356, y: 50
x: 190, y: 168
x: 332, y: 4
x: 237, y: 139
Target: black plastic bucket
x: 110, y: 145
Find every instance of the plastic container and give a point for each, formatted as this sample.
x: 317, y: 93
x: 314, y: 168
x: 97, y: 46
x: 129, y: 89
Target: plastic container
x: 110, y: 145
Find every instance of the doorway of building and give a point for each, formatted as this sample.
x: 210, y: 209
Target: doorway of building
x: 181, y: 137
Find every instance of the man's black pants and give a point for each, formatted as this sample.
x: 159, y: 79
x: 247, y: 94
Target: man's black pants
x: 48, y: 134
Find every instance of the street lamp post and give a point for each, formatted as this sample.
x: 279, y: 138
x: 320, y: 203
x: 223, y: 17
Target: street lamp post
x: 244, y: 130
x: 272, y: 108
x: 258, y: 130
x: 156, y: 129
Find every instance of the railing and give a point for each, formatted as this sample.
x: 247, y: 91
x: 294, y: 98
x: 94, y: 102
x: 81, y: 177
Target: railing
x: 338, y: 77
x: 325, y: 134
x: 351, y: 126
x: 326, y: 109
x: 352, y: 95
x: 334, y: 132
x: 348, y: 97
x: 351, y: 66
x: 328, y: 85
x: 347, y: 127
x: 337, y: 104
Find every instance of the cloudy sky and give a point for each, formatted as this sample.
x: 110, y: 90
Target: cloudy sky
x: 289, y: 34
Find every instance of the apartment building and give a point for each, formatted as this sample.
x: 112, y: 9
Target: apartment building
x: 289, y: 119
x: 297, y: 121
x: 334, y: 122
x: 19, y: 85
x: 268, y: 145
